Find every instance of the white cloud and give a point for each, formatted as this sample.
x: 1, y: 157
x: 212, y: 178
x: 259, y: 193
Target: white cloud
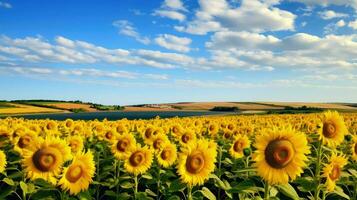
x: 174, y: 4
x: 324, y: 3
x: 353, y: 24
x: 215, y: 15
x: 82, y: 72
x: 170, y: 14
x: 65, y: 42
x: 332, y: 28
x: 171, y: 9
x: 79, y: 52
x: 5, y: 4
x: 173, y: 42
x: 300, y: 50
x: 330, y: 14
x: 127, y: 28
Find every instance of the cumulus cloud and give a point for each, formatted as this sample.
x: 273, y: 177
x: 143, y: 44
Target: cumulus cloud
x: 217, y: 15
x: 298, y: 50
x: 65, y: 50
x: 173, y: 42
x: 83, y: 72
x: 171, y: 9
x: 126, y: 28
x: 330, y: 14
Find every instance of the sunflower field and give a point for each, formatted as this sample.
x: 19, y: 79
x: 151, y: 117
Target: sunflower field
x: 298, y: 156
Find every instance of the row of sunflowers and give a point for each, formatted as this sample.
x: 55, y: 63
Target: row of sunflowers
x: 301, y: 156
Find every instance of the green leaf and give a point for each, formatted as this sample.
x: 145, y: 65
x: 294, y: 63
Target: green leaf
x: 42, y: 183
x: 151, y: 193
x: 30, y: 188
x: 305, y: 184
x: 6, y: 191
x: 339, y: 192
x: 174, y: 197
x: 23, y: 187
x: 146, y: 176
x: 84, y: 195
x: 242, y: 186
x: 44, y: 194
x: 353, y: 172
x: 9, y: 181
x: 110, y: 193
x: 208, y: 194
x: 288, y: 191
x: 127, y: 185
x: 176, y: 185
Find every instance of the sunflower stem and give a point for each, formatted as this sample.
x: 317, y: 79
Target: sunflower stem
x: 266, y: 191
x: 189, y: 193
x: 219, y: 170
x: 136, y: 186
x: 97, y: 174
x: 317, y: 172
x: 117, y: 174
x: 158, y: 183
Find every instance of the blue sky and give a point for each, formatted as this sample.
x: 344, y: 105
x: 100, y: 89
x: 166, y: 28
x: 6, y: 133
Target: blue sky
x: 138, y: 51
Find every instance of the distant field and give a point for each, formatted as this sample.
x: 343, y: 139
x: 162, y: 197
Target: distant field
x: 210, y: 105
x: 85, y: 107
x: 24, y: 109
x: 316, y: 105
x: 5, y: 105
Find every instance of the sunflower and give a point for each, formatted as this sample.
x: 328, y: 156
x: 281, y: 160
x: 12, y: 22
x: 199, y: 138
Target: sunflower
x: 333, y: 129
x: 76, y: 143
x: 167, y: 156
x: 158, y: 142
x: 2, y: 161
x: 280, y: 154
x: 45, y: 157
x: 187, y: 137
x: 122, y: 146
x: 78, y: 175
x: 240, y: 143
x: 108, y: 135
x: 24, y: 140
x: 332, y: 171
x: 139, y: 160
x: 354, y: 148
x: 196, y: 163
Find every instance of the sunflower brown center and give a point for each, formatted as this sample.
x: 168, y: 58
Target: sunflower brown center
x: 238, y: 146
x: 195, y: 163
x: 356, y: 148
x: 69, y: 124
x: 185, y: 138
x: 74, y: 145
x: 329, y: 130
x: 175, y: 130
x: 137, y: 158
x: 45, y: 159
x: 122, y: 145
x: 158, y: 143
x: 165, y: 154
x: 230, y: 127
x: 74, y: 173
x: 211, y: 128
x: 335, y: 173
x: 148, y: 133
x: 279, y: 153
x: 50, y: 126
x: 24, y: 141
x: 109, y: 135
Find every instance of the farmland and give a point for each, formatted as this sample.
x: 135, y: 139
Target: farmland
x: 299, y: 156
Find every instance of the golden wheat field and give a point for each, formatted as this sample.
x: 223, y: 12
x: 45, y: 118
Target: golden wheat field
x: 300, y: 156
